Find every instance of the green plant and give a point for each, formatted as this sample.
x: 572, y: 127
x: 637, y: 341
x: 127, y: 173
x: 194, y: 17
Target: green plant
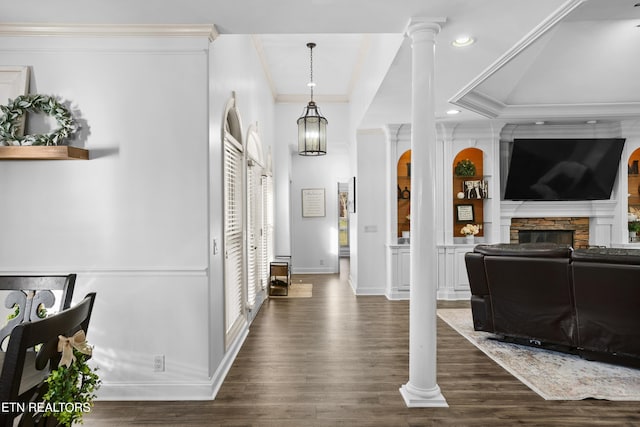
x: 634, y: 226
x: 16, y: 110
x: 465, y: 168
x: 71, y: 390
x: 15, y: 313
x: 42, y: 312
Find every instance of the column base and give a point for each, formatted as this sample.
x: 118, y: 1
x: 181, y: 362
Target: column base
x: 419, y: 398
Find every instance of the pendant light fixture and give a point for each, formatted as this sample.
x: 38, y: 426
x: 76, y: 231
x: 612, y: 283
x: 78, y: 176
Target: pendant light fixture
x: 312, y: 127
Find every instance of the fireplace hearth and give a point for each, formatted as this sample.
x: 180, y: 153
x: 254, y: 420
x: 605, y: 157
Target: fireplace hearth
x: 572, y: 231
x: 563, y: 237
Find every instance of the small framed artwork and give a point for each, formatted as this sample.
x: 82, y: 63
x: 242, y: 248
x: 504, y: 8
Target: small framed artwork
x: 313, y: 202
x: 351, y: 201
x: 14, y: 81
x: 476, y: 189
x: 464, y: 213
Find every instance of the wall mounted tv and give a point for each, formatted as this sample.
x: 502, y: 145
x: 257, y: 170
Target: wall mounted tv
x: 563, y: 169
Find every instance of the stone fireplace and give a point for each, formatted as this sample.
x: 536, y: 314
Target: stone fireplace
x: 592, y: 221
x: 566, y: 230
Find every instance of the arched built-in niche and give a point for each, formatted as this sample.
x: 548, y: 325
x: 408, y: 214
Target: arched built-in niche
x: 633, y: 181
x: 404, y: 192
x: 469, y: 190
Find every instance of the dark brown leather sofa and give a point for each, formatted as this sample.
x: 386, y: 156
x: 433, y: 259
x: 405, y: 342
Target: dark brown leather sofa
x: 584, y: 301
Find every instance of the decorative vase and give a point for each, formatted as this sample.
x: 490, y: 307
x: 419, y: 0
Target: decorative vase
x: 469, y: 238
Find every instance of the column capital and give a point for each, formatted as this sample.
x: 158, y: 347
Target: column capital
x: 418, y: 25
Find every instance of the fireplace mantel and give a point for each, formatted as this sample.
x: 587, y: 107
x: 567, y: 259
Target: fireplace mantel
x: 588, y: 208
x: 601, y: 214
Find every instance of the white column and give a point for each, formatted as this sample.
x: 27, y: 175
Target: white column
x: 422, y: 390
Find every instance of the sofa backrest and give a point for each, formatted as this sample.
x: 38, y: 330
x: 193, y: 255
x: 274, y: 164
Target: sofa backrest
x: 531, y: 290
x: 606, y: 287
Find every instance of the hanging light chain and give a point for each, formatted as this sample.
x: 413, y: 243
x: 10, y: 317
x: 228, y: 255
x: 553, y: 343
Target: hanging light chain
x: 311, y: 84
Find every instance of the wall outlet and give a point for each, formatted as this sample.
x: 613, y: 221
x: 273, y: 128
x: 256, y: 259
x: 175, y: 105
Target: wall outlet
x: 321, y: 262
x: 158, y: 363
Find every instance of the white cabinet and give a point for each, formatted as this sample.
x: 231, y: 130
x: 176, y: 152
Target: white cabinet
x: 453, y: 283
x: 399, y: 272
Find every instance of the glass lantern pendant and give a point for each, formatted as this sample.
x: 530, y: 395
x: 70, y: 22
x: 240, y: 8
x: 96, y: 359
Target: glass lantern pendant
x: 312, y: 127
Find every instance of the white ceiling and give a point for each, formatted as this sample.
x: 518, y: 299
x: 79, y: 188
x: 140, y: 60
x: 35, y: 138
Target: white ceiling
x: 511, y: 71
x: 584, y: 67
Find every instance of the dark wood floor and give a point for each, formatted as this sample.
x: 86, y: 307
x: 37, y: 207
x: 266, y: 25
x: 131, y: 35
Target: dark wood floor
x: 339, y: 360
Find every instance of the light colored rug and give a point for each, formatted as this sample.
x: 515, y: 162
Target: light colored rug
x: 553, y: 375
x: 297, y: 290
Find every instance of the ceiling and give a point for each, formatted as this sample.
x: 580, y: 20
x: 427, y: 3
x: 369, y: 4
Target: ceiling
x: 524, y: 64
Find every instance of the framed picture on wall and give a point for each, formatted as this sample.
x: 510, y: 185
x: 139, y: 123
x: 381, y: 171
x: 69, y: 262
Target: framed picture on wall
x: 351, y: 202
x: 464, y: 213
x: 313, y: 202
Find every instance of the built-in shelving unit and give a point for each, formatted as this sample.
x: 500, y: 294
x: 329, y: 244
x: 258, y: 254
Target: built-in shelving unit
x: 50, y: 152
x: 469, y: 208
x: 404, y: 192
x: 633, y: 189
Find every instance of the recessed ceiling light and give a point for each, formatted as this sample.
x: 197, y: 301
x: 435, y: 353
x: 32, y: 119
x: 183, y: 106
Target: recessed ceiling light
x: 539, y: 123
x: 453, y: 112
x: 463, y: 41
x: 592, y: 122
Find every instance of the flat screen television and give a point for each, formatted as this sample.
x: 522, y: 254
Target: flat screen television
x: 563, y: 169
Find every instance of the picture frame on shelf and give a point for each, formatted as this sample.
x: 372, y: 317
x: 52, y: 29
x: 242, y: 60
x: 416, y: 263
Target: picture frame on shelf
x: 464, y: 213
x: 475, y: 189
x: 14, y: 82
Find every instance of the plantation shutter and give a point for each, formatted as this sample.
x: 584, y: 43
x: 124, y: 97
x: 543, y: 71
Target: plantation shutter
x: 252, y: 258
x: 233, y: 238
x: 267, y: 227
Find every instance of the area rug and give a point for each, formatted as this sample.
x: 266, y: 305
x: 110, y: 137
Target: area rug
x: 553, y: 375
x: 297, y: 290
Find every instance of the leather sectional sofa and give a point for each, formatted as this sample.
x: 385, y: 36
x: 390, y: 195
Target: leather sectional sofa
x: 582, y: 301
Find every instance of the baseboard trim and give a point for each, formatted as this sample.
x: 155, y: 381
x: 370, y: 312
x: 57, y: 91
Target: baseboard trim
x: 150, y: 391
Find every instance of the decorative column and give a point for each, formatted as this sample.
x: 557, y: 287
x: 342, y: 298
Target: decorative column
x: 422, y: 390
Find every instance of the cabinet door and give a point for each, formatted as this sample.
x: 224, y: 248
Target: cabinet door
x: 404, y: 270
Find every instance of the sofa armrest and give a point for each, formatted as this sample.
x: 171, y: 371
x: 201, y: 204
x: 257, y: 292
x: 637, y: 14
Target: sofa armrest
x: 476, y: 273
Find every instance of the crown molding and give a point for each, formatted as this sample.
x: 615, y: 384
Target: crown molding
x: 259, y: 47
x: 597, y: 111
x: 106, y: 30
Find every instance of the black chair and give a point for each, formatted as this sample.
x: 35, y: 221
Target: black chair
x: 29, y: 293
x: 24, y: 370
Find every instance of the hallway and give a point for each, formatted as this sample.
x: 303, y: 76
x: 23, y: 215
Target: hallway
x: 339, y: 360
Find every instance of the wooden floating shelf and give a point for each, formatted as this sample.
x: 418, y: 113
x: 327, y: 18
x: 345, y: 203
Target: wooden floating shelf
x: 39, y: 152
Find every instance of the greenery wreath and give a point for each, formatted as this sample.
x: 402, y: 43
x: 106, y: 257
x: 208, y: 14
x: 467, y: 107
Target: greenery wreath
x: 10, y: 121
x: 465, y: 167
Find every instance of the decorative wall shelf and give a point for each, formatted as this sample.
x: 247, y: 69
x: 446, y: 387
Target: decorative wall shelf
x: 51, y: 152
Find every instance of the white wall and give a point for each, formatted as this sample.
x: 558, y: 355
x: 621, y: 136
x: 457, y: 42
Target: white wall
x: 131, y: 221
x: 136, y: 221
x: 314, y: 241
x: 371, y: 210
x: 234, y: 68
x: 379, y: 57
